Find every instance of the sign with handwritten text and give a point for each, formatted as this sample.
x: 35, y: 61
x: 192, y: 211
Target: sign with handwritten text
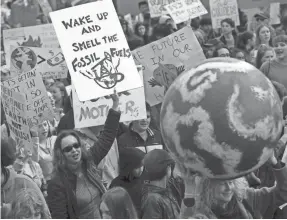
x: 97, y: 54
x: 183, y: 10
x: 221, y: 9
x: 34, y: 36
x: 31, y: 85
x: 49, y: 62
x: 94, y: 112
x: 165, y: 59
x: 156, y: 7
x: 15, y: 108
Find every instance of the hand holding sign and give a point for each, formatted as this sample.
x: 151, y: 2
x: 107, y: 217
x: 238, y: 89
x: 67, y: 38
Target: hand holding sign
x: 115, y: 99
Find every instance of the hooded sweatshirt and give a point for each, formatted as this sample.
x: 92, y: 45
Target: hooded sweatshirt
x: 130, y: 159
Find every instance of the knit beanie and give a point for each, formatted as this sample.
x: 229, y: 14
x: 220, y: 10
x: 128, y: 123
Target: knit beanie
x: 130, y: 159
x: 156, y: 163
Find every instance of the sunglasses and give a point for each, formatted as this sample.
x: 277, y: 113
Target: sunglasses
x: 69, y: 148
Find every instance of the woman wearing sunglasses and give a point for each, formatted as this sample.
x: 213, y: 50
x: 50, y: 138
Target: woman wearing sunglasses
x: 76, y: 188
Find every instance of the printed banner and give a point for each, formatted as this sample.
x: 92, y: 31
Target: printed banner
x: 31, y: 85
x: 35, y: 36
x: 183, y: 10
x: 49, y: 62
x: 15, y: 108
x: 165, y: 59
x: 94, y: 112
x: 157, y: 7
x: 98, y: 56
x: 221, y: 9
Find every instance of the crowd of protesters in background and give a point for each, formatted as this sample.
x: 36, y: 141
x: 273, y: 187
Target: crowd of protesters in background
x: 63, y: 177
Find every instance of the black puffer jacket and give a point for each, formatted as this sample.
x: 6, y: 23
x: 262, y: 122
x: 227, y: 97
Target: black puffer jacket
x: 158, y: 203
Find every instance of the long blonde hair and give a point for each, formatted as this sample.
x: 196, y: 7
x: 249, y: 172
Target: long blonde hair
x: 25, y: 200
x: 207, y: 191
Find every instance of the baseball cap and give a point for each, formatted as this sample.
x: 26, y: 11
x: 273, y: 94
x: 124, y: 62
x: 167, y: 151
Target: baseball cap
x: 261, y: 16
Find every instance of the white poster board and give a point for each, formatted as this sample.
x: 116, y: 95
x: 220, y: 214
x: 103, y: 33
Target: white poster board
x: 183, y: 10
x: 275, y: 13
x: 94, y: 112
x: 98, y: 56
x: 157, y: 7
x: 165, y: 59
x: 34, y: 36
x: 31, y: 85
x: 221, y: 9
x: 15, y: 108
x: 49, y: 62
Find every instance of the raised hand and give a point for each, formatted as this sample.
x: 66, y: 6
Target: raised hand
x: 115, y: 99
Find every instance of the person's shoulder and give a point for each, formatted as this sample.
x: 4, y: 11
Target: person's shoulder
x: 23, y: 181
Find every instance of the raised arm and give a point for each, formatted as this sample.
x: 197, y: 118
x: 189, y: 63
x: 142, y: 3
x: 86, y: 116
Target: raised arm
x: 106, y: 139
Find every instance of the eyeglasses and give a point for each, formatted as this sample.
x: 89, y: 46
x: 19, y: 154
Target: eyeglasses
x: 69, y: 148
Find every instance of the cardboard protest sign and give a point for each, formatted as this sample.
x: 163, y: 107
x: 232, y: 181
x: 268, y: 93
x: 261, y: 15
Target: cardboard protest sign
x: 221, y: 9
x: 35, y: 36
x: 15, y: 108
x: 156, y: 7
x: 183, y: 10
x: 45, y: 6
x: 165, y: 59
x: 94, y: 112
x: 49, y: 62
x: 31, y: 85
x: 275, y: 13
x: 98, y: 56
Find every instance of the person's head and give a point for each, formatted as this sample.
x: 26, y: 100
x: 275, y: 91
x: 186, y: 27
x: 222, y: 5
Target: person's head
x: 117, y: 204
x: 8, y: 152
x: 131, y: 162
x: 280, y: 47
x: 161, y: 31
x: 143, y: 7
x: 205, y: 24
x: 261, y: 19
x: 210, y: 46
x: 29, y: 205
x: 48, y: 82
x: 220, y: 192
x: 68, y: 149
x: 5, y: 73
x: 158, y: 165
x: 143, y: 124
x: 140, y: 29
x: 264, y: 54
x: 43, y: 129
x: 227, y: 26
x: 221, y: 51
x: 238, y: 54
x: 58, y: 90
x: 263, y: 35
x: 246, y: 41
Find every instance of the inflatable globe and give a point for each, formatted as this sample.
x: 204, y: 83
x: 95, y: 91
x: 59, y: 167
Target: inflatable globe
x: 23, y: 59
x: 221, y: 119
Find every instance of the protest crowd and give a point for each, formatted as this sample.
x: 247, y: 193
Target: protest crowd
x: 87, y: 129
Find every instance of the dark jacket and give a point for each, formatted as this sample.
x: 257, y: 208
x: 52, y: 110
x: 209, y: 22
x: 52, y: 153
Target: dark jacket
x: 133, y: 139
x: 130, y: 159
x: 158, y: 203
x: 66, y: 122
x: 223, y: 40
x: 61, y: 189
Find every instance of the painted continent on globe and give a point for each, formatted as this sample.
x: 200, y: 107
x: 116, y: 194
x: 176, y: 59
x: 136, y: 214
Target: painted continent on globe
x: 221, y: 119
x: 23, y: 59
